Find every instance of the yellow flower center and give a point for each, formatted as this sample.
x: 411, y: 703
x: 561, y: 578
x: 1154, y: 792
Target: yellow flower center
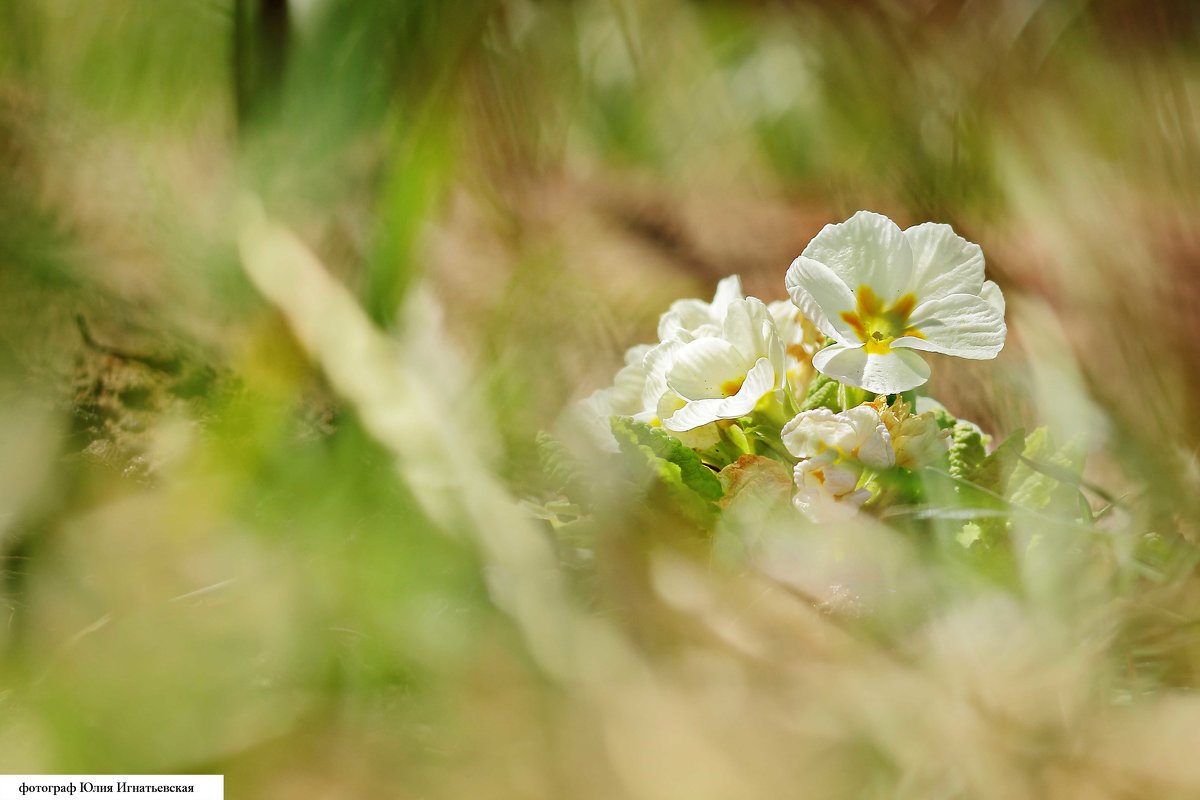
x: 877, y: 326
x: 730, y: 388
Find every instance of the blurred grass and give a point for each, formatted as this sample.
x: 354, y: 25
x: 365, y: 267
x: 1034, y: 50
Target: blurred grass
x: 218, y: 566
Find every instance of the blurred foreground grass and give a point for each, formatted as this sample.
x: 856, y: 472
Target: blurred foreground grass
x: 243, y: 531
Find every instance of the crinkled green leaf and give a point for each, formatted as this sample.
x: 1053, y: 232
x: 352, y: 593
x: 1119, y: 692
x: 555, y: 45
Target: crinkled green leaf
x: 557, y: 512
x: 557, y: 462
x: 966, y: 450
x: 995, y: 470
x: 660, y: 444
x: 1053, y: 485
x: 822, y: 393
x: 564, y: 472
x: 692, y: 485
x: 944, y: 419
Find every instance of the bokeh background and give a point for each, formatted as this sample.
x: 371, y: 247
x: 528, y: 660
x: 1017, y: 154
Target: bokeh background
x: 249, y: 530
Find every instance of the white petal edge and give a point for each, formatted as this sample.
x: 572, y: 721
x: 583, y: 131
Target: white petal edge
x: 702, y: 367
x: 699, y: 438
x: 804, y: 434
x: 962, y: 325
x: 728, y: 290
x: 866, y: 249
x: 658, y: 362
x: 759, y: 380
x: 887, y: 373
x: 820, y: 476
x: 943, y: 262
x: 873, y: 443
x: 991, y: 292
x: 822, y: 295
x: 748, y: 326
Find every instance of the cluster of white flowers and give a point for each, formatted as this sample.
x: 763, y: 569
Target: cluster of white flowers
x: 866, y: 296
x: 714, y: 361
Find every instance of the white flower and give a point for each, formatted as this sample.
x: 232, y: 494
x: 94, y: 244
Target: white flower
x: 723, y: 373
x: 833, y: 450
x: 706, y: 368
x: 623, y: 399
x: 916, y: 438
x: 882, y: 293
x: 825, y: 491
x: 799, y: 339
x: 856, y: 435
x: 689, y: 319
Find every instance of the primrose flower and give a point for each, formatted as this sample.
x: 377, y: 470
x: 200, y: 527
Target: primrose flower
x: 881, y: 294
x: 689, y: 319
x: 721, y: 373
x: 858, y: 434
x: 917, y: 440
x: 827, y: 491
x: 834, y: 449
x: 623, y: 399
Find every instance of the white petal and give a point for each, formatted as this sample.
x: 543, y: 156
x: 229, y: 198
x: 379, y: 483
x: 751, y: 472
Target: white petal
x: 872, y: 442
x: 811, y: 432
x: 787, y: 321
x: 695, y: 414
x: 759, y: 380
x: 867, y: 249
x: 630, y: 383
x: 858, y: 433
x: 943, y: 262
x: 991, y: 292
x: 657, y: 363
x: 822, y: 295
x: 962, y: 325
x: 728, y: 290
x: 637, y: 353
x: 887, y: 373
x: 926, y: 403
x: 690, y: 319
x: 698, y: 438
x: 821, y: 508
x: 682, y: 319
x: 590, y: 418
x: 825, y: 493
x: 830, y: 479
x: 598, y: 403
x: 703, y: 368
x: 745, y: 327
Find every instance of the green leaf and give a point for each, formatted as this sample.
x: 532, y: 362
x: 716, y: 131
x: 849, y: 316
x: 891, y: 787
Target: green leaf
x: 564, y: 472
x: 822, y: 393
x: 966, y: 450
x: 660, y: 444
x: 994, y: 471
x: 654, y: 452
x: 945, y: 420
x: 557, y: 462
x: 1047, y: 477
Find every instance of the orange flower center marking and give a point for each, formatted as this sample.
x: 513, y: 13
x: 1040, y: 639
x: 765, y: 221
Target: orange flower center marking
x: 878, y: 326
x: 730, y: 388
